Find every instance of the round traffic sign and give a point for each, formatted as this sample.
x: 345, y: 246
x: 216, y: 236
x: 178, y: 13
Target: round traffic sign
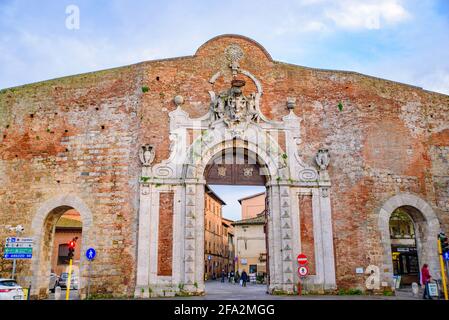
x: 446, y: 256
x: 302, y: 259
x: 303, y: 271
x: 90, y: 254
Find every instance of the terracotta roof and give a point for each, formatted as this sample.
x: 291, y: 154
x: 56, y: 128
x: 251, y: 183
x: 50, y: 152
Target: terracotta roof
x: 66, y: 223
x: 260, y: 219
x: 250, y: 197
x: 214, y: 195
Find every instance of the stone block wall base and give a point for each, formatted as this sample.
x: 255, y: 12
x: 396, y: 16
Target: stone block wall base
x: 166, y: 291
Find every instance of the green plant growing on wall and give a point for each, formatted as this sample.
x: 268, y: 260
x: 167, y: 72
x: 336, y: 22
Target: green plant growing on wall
x: 195, y: 285
x: 340, y: 106
x: 145, y: 89
x: 144, y: 179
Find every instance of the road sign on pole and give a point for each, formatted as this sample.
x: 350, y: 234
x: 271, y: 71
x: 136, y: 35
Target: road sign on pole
x: 18, y: 248
x: 446, y: 255
x: 91, y: 254
x: 302, y: 259
x: 303, y: 271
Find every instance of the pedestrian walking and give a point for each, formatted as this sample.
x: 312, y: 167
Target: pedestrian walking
x: 231, y: 277
x: 425, y: 279
x: 244, y: 278
x: 223, y: 275
x: 237, y: 277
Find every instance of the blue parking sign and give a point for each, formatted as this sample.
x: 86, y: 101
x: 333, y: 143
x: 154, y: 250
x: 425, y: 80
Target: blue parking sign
x: 90, y: 254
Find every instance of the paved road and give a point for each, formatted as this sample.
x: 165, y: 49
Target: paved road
x: 215, y: 290
x: 73, y: 295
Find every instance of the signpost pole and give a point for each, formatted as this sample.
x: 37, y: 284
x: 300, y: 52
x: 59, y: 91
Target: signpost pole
x: 13, y: 269
x: 18, y: 249
x: 14, y: 263
x: 443, y: 272
x: 88, y: 279
x: 67, y: 295
x: 90, y: 255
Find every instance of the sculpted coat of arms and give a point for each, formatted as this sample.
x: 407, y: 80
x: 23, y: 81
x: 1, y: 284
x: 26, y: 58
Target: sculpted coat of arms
x: 234, y: 107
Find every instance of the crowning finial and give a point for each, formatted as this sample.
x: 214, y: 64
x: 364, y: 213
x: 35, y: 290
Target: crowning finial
x: 234, y: 54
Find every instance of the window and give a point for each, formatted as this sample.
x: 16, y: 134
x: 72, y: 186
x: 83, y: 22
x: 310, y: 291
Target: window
x: 63, y: 254
x: 253, y: 268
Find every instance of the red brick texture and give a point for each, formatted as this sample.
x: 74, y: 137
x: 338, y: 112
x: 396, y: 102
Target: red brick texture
x: 306, y: 222
x: 81, y: 135
x: 165, y: 242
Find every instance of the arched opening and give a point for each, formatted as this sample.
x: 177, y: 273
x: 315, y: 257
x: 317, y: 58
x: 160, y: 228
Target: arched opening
x: 404, y: 246
x: 68, y: 228
x: 235, y: 225
x: 408, y: 224
x: 62, y: 225
x: 56, y: 222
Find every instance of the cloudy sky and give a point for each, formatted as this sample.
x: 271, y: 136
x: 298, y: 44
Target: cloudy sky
x: 405, y: 41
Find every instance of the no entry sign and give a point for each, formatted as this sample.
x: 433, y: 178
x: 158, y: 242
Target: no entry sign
x: 302, y: 259
x: 303, y: 271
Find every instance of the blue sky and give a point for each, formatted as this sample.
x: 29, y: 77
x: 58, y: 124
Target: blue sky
x: 231, y: 195
x: 406, y: 41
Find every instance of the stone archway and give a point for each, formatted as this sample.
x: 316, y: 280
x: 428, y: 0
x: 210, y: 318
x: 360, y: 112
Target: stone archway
x: 194, y: 224
x: 170, y: 249
x: 427, y: 229
x: 43, y: 226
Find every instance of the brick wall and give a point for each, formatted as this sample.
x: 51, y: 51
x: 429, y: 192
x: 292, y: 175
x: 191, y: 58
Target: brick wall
x: 80, y: 135
x: 306, y: 222
x: 165, y: 240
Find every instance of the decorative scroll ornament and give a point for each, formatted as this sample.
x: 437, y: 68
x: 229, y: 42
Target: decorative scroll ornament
x: 147, y: 154
x: 234, y: 107
x: 323, y: 159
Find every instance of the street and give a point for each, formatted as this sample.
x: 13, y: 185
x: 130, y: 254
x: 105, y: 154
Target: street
x: 215, y: 290
x: 73, y: 295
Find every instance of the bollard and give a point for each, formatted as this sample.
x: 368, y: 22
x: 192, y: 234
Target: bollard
x: 415, y: 289
x: 58, y: 293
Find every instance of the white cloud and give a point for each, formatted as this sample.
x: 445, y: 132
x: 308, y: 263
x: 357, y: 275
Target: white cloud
x: 355, y: 14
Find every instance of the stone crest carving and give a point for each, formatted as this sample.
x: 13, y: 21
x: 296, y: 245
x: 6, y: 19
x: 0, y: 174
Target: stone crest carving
x: 147, y: 154
x: 248, y: 172
x: 234, y: 107
x: 222, y: 171
x: 323, y: 159
x: 234, y: 54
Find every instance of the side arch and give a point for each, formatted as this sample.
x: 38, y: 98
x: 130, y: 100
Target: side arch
x: 426, y: 223
x: 43, y: 226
